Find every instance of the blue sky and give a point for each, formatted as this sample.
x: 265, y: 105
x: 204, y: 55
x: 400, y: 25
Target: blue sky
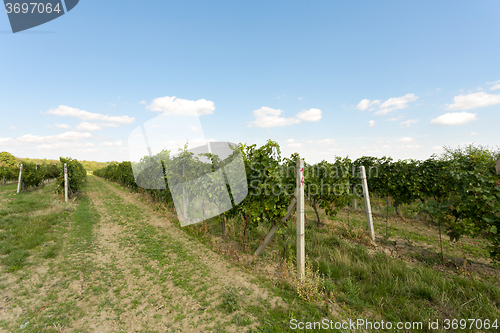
x: 323, y: 78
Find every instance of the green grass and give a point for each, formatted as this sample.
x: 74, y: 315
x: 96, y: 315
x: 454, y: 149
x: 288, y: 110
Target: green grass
x: 378, y: 283
x: 7, y: 187
x: 51, y: 252
x: 33, y: 230
x: 360, y: 283
x: 189, y: 273
x: 25, y: 227
x: 84, y: 219
x: 231, y: 300
x: 366, y: 285
x: 58, y: 313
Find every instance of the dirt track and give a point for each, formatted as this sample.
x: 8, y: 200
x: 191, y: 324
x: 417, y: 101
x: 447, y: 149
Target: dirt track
x: 141, y: 273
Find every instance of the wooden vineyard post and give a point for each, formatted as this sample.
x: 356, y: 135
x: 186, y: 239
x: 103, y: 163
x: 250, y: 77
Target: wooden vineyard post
x: 294, y: 204
x: 355, y: 200
x: 20, y: 180
x: 368, y: 208
x: 497, y: 167
x: 298, y: 204
x: 65, y: 182
x: 300, y: 219
x: 387, y: 205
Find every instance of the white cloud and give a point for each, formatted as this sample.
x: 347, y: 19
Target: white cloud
x: 455, y: 118
x: 194, y: 129
x: 293, y: 144
x: 371, y: 123
x: 363, y: 105
x: 62, y: 126
x: 405, y: 139
x: 63, y: 145
x: 91, y: 127
x: 309, y: 115
x: 111, y: 144
x: 13, y: 127
x: 267, y: 117
x: 396, y: 103
x: 386, y: 146
x: 63, y: 110
x: 496, y: 85
x: 67, y: 136
x: 437, y: 147
x: 59, y: 141
x: 474, y: 133
x: 326, y: 142
x: 4, y: 141
x: 408, y: 122
x: 89, y: 144
x: 474, y: 100
x: 366, y: 103
x: 109, y: 125
x: 300, y: 98
x: 412, y: 146
x: 172, y: 105
x: 143, y: 102
x: 57, y: 145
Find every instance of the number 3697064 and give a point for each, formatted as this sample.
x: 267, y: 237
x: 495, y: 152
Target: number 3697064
x: 31, y: 7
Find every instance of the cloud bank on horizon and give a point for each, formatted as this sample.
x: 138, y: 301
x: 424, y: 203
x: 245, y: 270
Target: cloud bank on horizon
x: 81, y: 136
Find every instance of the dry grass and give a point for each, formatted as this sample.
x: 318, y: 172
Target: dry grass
x: 309, y: 288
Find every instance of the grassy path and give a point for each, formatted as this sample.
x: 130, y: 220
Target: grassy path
x: 123, y: 268
x: 166, y: 276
